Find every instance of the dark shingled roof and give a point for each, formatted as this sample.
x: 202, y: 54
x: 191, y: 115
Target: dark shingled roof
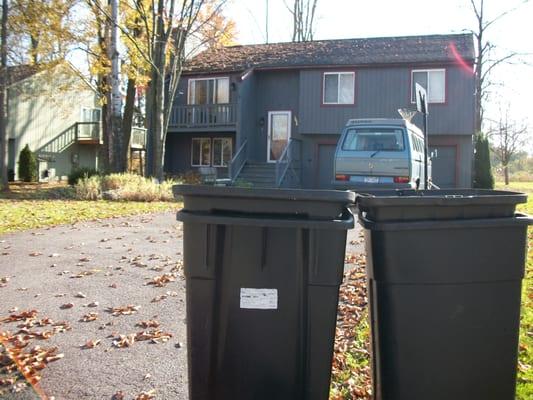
x: 384, y: 50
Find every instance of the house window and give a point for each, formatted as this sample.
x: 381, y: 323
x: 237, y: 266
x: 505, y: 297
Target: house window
x: 201, y: 152
x: 433, y: 80
x: 216, y: 152
x: 338, y: 88
x: 208, y: 91
x: 222, y: 152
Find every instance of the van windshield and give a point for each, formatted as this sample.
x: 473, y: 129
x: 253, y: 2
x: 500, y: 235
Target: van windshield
x: 374, y: 139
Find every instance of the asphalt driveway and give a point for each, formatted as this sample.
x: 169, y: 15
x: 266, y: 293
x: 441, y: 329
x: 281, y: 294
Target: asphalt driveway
x: 67, y: 272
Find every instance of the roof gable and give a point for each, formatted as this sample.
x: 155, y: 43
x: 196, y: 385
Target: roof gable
x: 384, y: 50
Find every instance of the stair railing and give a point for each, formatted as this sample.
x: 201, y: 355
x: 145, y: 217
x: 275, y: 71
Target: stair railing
x: 288, y: 162
x: 236, y: 164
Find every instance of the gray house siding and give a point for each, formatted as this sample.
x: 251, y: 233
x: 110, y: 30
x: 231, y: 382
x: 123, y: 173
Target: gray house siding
x: 178, y: 151
x: 183, y: 87
x: 379, y: 93
x: 247, y: 123
x: 275, y: 91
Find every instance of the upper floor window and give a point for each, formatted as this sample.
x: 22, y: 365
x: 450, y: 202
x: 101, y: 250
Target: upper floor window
x: 338, y: 88
x: 433, y: 80
x: 209, y: 91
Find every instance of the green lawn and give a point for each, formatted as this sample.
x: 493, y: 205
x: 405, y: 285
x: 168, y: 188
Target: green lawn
x: 525, y: 366
x: 30, y: 206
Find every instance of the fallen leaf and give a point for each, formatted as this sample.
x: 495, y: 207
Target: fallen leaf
x: 152, y: 323
x: 118, y: 395
x: 92, y: 316
x: 90, y: 344
x: 162, y: 280
x: 149, y: 395
x: 124, y: 310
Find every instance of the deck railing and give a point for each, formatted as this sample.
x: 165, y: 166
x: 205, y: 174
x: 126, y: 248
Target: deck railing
x: 203, y: 115
x: 87, y: 131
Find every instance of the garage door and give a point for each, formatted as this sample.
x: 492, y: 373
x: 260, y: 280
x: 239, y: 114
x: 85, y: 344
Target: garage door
x: 444, y: 166
x: 326, y: 154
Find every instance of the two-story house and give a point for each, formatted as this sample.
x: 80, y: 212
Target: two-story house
x: 274, y: 112
x: 58, y: 115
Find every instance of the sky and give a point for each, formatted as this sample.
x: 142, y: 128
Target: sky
x: 336, y: 19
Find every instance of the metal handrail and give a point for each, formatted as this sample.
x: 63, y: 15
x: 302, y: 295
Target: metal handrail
x: 287, y: 160
x: 236, y: 164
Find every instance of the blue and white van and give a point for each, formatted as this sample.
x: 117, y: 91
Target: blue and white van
x: 380, y: 153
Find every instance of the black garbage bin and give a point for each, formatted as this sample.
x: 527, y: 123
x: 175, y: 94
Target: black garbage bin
x: 263, y: 269
x: 444, y: 275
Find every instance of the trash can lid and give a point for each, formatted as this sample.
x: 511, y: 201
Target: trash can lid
x: 401, y: 205
x: 321, y: 204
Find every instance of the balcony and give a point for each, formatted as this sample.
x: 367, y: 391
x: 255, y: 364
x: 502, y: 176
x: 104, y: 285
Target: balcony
x: 87, y: 132
x: 212, y: 116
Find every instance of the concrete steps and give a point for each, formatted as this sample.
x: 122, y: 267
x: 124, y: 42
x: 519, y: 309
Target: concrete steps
x: 258, y: 174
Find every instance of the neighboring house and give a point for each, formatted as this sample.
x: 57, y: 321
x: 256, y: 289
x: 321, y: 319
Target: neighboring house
x: 274, y: 112
x: 55, y: 113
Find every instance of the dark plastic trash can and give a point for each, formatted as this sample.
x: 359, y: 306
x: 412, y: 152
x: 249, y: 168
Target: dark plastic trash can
x: 445, y: 271
x: 263, y: 269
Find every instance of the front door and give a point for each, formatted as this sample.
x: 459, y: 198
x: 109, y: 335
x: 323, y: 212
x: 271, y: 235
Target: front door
x: 279, y: 132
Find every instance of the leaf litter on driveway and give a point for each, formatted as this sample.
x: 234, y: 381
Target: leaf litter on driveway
x: 92, y: 359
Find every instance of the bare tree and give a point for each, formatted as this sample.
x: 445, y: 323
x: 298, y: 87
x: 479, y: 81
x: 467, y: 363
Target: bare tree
x: 508, y: 137
x: 303, y: 17
x: 485, y: 62
x: 3, y: 99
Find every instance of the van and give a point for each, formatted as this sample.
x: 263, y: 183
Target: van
x: 380, y: 153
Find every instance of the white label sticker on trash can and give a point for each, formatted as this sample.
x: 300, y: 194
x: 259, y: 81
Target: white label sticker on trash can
x: 259, y: 299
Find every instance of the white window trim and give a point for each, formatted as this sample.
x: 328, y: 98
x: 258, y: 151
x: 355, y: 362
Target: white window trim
x: 288, y: 113
x: 338, y: 87
x: 83, y: 108
x: 201, y: 139
x: 221, y: 149
x: 205, y: 79
x: 428, y: 89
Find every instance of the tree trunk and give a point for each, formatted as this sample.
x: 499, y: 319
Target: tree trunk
x: 4, y: 185
x: 506, y: 174
x: 115, y: 97
x: 127, y: 122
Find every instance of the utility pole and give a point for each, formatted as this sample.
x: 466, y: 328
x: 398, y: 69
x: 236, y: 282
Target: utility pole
x: 4, y: 185
x: 116, y: 97
x: 266, y: 21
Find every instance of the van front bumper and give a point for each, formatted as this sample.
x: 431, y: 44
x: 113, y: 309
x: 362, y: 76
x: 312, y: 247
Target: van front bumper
x: 359, y: 186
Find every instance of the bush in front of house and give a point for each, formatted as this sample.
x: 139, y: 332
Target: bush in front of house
x: 82, y: 172
x: 28, y: 169
x: 124, y: 187
x: 483, y: 178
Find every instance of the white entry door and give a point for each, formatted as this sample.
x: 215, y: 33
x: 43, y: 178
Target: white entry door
x: 279, y: 132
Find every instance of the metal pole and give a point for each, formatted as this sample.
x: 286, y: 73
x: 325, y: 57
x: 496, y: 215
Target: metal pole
x: 426, y: 179
x: 266, y: 21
